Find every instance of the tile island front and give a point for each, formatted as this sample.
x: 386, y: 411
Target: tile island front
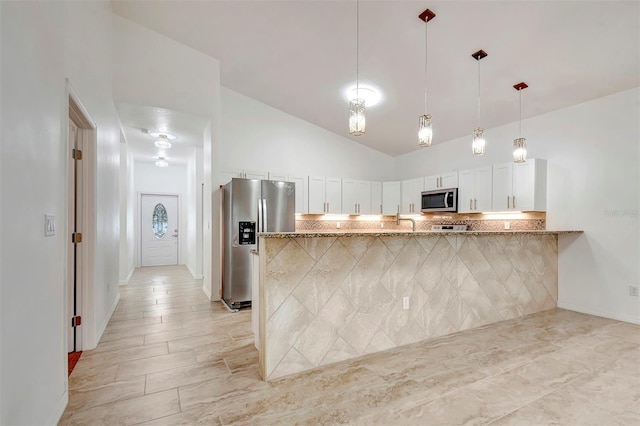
x: 327, y: 297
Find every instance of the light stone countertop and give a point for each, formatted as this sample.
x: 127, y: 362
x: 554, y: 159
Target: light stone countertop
x: 363, y: 233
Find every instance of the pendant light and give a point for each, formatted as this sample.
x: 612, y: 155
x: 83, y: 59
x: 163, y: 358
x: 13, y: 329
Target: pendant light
x: 478, y: 133
x: 425, y: 131
x: 519, y: 144
x: 357, y: 122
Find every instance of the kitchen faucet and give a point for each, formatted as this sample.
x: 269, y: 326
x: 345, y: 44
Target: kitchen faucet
x: 398, y: 219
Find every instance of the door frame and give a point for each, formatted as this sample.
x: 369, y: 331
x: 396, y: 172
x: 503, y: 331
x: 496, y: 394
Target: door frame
x: 139, y: 221
x: 87, y: 132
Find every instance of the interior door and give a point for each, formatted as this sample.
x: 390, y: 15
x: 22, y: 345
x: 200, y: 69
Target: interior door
x: 74, y: 265
x: 159, y: 230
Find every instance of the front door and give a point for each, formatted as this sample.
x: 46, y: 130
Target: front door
x: 159, y: 230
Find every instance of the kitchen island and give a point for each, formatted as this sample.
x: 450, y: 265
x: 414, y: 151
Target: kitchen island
x: 325, y: 297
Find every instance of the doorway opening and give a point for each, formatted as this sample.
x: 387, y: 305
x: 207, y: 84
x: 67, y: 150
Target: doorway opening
x: 80, y: 227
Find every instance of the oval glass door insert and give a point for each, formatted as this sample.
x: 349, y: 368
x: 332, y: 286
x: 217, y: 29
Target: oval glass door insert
x: 160, y: 221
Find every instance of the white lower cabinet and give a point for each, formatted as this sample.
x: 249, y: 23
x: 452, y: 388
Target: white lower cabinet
x: 474, y: 190
x: 325, y: 195
x: 521, y: 186
x: 390, y: 197
x: 411, y: 198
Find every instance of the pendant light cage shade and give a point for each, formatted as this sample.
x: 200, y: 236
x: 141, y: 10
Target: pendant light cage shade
x: 357, y: 121
x: 478, y: 142
x: 519, y: 150
x: 425, y: 132
x: 520, y: 144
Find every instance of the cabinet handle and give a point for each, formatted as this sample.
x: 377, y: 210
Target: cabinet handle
x: 328, y: 208
x: 380, y: 208
x: 475, y: 203
x: 324, y: 208
x: 440, y: 181
x: 508, y: 201
x: 514, y: 201
x: 470, y: 204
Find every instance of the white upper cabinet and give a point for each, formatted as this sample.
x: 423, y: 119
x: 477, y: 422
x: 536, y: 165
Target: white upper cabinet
x: 283, y: 177
x: 226, y: 175
x: 520, y: 187
x: 302, y: 203
x: 441, y: 181
x: 411, y: 199
x: 474, y: 190
x: 376, y: 198
x: 325, y: 195
x: 390, y: 197
x: 356, y: 196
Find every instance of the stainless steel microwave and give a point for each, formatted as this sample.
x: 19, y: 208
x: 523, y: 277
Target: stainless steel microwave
x: 441, y: 200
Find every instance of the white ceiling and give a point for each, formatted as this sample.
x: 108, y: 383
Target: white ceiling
x: 299, y: 56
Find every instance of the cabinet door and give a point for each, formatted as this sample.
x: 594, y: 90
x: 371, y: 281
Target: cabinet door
x: 226, y: 176
x: 349, y: 196
x: 333, y: 195
x: 316, y: 195
x: 466, y: 191
x: 502, y: 187
x: 524, y: 186
x: 376, y: 198
x: 363, y: 196
x: 302, y: 203
x: 406, y: 198
x: 390, y: 197
x: 449, y: 180
x: 417, y: 186
x: 279, y: 176
x: 483, y: 184
x: 431, y: 183
x: 255, y: 174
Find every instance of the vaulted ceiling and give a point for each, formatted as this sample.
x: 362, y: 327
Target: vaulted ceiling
x: 300, y: 56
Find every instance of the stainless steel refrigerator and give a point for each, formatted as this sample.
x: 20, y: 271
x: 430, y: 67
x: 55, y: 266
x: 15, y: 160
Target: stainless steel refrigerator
x: 251, y: 206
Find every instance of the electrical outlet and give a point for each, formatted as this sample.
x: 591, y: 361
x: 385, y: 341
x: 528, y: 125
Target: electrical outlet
x: 381, y: 224
x: 633, y: 290
x: 337, y: 224
x: 507, y: 225
x: 405, y: 302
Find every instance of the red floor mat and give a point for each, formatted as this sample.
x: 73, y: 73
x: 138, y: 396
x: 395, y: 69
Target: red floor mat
x: 73, y: 360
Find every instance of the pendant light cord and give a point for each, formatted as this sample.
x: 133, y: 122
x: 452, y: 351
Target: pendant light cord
x: 478, y: 92
x: 520, y: 120
x: 426, y: 44
x: 357, y: 49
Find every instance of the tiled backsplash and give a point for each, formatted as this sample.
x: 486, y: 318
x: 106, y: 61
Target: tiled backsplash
x: 475, y: 222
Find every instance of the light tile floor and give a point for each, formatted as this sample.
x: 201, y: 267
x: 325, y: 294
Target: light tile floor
x: 170, y: 357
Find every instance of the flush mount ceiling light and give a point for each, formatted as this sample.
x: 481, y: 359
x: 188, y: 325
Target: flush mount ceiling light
x: 478, y: 133
x: 519, y: 144
x: 425, y: 132
x: 357, y: 122
x: 370, y: 95
x: 163, y: 142
x: 164, y: 135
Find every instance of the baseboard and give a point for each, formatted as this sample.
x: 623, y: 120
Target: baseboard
x: 59, y: 411
x: 207, y: 292
x: 194, y: 275
x: 126, y: 280
x: 590, y: 311
x: 108, y: 318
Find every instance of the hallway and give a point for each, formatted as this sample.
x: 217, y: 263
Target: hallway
x: 169, y: 356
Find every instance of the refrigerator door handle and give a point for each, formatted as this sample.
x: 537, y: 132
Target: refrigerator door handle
x: 259, y: 227
x: 264, y: 212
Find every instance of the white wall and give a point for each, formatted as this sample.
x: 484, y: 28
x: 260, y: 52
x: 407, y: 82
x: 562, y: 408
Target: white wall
x: 127, y: 215
x: 256, y: 136
x: 172, y: 180
x: 593, y: 158
x: 41, y: 44
x: 193, y: 199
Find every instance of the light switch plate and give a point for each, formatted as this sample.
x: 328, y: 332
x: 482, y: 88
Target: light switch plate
x: 49, y: 225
